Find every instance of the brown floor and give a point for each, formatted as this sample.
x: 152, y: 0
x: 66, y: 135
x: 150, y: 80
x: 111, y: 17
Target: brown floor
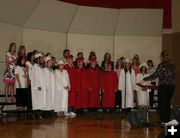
x: 86, y: 126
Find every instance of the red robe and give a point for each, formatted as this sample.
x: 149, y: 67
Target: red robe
x: 93, y: 83
x: 71, y: 72
x: 80, y: 89
x: 109, y: 83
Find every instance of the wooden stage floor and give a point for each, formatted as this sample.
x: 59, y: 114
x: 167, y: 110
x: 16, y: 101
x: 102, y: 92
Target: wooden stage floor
x: 83, y: 126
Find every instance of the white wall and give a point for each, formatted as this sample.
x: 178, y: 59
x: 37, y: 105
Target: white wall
x: 86, y: 43
x: 9, y: 33
x: 45, y: 41
x: 147, y: 47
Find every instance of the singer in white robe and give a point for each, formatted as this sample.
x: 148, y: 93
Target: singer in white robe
x: 142, y: 95
x: 50, y: 84
x: 61, y: 93
x: 38, y: 87
x: 127, y: 84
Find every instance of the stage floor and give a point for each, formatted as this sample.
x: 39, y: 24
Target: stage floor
x: 83, y: 126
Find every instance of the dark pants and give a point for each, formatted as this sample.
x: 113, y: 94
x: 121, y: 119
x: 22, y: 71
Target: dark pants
x: 151, y: 95
x: 165, y: 93
x: 21, y: 97
x: 118, y: 99
x: 29, y: 99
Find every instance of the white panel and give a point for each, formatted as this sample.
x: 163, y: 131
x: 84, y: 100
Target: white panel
x: 16, y: 11
x: 45, y: 41
x: 52, y: 15
x: 146, y: 47
x: 140, y: 22
x: 93, y: 20
x: 86, y: 43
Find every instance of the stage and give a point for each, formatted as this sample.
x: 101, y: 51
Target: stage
x: 91, y: 125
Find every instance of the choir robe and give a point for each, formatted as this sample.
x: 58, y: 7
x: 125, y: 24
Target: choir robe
x: 38, y: 80
x: 93, y: 87
x: 142, y: 95
x: 80, y: 88
x: 50, y: 88
x: 129, y: 80
x: 71, y: 71
x: 61, y: 94
x: 109, y: 85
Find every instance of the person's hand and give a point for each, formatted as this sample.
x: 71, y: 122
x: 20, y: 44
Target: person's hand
x: 142, y: 82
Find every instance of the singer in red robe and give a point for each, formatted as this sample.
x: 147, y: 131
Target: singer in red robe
x: 93, y: 83
x: 71, y: 72
x: 80, y: 84
x: 109, y: 85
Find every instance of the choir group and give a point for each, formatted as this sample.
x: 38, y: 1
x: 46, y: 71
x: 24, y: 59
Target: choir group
x: 71, y: 85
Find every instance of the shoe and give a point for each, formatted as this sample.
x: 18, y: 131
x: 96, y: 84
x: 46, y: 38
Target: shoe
x: 67, y: 114
x: 73, y: 114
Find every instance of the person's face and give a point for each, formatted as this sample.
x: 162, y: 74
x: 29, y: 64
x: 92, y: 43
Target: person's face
x: 32, y: 58
x: 61, y: 66
x: 67, y: 53
x: 70, y: 60
x: 149, y: 64
x: 127, y: 65
x: 53, y: 61
x: 23, y: 51
x: 80, y: 64
x: 136, y: 57
x: 93, y: 64
x: 13, y: 48
x: 143, y: 69
x: 80, y: 55
x: 49, y: 63
x: 119, y: 63
x: 134, y: 61
x: 108, y: 57
x: 41, y: 60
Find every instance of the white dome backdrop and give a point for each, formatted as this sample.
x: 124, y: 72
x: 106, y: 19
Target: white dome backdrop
x: 51, y: 25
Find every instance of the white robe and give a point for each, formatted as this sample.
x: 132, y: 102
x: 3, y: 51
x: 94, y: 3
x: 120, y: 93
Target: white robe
x: 142, y: 96
x: 61, y: 94
x: 127, y: 91
x: 38, y: 80
x: 50, y: 88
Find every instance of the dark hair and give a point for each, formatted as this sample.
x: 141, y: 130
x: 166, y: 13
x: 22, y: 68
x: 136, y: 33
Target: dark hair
x: 19, y: 51
x: 150, y: 61
x: 165, y: 57
x: 19, y: 61
x: 91, y: 54
x: 105, y: 55
x: 117, y: 63
x: 79, y: 53
x: 10, y: 46
x: 126, y: 70
x: 47, y: 54
x: 66, y: 50
x: 53, y: 57
x: 35, y: 51
x: 142, y: 68
x: 29, y: 55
